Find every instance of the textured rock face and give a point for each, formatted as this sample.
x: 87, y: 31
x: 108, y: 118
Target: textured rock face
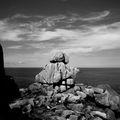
x: 54, y: 72
x: 59, y: 57
x: 57, y: 72
x: 109, y: 97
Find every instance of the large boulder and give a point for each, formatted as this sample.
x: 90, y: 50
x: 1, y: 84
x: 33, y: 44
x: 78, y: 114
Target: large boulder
x: 59, y: 56
x: 57, y: 73
x: 109, y: 97
x: 54, y: 72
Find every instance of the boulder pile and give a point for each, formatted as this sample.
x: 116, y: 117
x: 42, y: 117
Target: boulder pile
x: 55, y: 96
x: 57, y: 73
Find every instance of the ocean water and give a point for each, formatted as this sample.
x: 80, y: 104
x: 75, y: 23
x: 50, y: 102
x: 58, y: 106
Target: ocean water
x: 90, y: 76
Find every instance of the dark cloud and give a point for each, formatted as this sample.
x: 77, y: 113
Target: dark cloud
x: 50, y: 7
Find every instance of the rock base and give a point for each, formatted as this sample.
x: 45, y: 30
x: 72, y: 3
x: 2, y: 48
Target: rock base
x: 81, y: 102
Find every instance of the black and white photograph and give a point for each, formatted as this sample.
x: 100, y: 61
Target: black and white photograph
x: 59, y: 59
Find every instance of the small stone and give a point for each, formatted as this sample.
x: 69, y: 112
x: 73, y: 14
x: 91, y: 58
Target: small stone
x: 59, y: 107
x: 71, y: 90
x: 76, y: 107
x: 64, y: 97
x: 73, y: 98
x: 98, y: 113
x: 89, y: 108
x: 59, y: 112
x: 31, y: 101
x: 68, y: 86
x: 34, y: 86
x: 73, y: 117
x: 102, y: 98
x: 50, y: 93
x: 59, y: 118
x: 67, y: 113
x: 110, y: 114
x: 63, y: 82
x: 57, y: 89
x: 81, y: 94
x: 70, y: 81
x: 98, y: 90
x: 26, y: 109
x: 62, y: 88
x: 76, y: 88
x: 83, y: 118
x: 88, y: 91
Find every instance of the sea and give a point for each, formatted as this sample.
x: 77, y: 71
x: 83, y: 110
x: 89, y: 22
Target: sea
x: 88, y: 76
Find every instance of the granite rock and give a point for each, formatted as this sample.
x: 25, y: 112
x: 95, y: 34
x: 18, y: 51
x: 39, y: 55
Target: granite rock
x: 59, y: 56
x: 109, y: 97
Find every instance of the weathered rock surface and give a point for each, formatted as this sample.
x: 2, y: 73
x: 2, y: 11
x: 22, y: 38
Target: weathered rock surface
x: 57, y: 73
x: 109, y: 97
x: 42, y: 104
x: 54, y: 72
x: 59, y: 56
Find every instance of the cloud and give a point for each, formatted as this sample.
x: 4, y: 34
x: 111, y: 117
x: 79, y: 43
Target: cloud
x: 83, y: 38
x: 19, y: 16
x: 96, y: 16
x: 41, y: 45
x: 9, y: 32
x: 97, y: 38
x: 11, y: 35
x: 15, y: 47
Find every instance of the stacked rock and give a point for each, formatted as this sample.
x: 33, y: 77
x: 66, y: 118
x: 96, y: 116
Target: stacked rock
x: 55, y: 97
x: 58, y: 73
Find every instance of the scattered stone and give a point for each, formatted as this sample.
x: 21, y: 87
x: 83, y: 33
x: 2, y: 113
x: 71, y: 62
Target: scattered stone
x: 98, y: 113
x: 110, y: 114
x: 54, y: 96
x: 59, y: 118
x: 109, y: 97
x: 76, y: 107
x: 76, y: 88
x: 73, y: 98
x: 81, y: 94
x: 62, y: 88
x: 73, y: 117
x: 67, y: 113
x: 70, y: 81
x: 97, y: 118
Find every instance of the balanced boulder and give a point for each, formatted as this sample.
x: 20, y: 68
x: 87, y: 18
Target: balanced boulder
x: 57, y: 73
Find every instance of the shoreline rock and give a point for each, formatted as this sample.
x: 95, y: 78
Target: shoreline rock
x: 55, y: 96
x: 37, y: 103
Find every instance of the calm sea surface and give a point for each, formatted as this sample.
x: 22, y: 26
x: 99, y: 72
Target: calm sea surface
x: 90, y: 76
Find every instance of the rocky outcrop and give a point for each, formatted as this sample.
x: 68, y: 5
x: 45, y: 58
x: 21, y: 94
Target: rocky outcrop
x: 58, y: 73
x: 39, y: 103
x: 9, y: 91
x: 49, y: 97
x: 2, y: 71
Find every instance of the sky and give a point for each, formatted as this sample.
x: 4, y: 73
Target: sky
x: 87, y: 30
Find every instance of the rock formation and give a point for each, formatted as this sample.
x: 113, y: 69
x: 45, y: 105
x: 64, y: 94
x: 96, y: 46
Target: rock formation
x: 58, y: 73
x: 2, y: 71
x: 55, y: 96
x: 8, y: 91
